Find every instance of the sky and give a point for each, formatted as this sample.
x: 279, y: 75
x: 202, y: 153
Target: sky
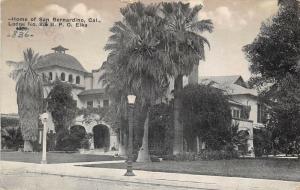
x: 236, y: 23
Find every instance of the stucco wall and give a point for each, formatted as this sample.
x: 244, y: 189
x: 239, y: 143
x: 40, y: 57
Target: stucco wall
x: 96, y: 83
x: 88, y: 82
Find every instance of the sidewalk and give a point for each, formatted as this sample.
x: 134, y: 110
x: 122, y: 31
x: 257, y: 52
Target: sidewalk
x: 150, y: 178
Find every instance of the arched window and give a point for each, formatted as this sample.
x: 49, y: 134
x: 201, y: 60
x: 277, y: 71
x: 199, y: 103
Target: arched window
x: 62, y: 76
x: 50, y: 76
x: 70, y: 78
x: 78, y: 80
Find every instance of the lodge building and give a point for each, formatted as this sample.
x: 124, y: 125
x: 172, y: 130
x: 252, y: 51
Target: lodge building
x: 88, y: 91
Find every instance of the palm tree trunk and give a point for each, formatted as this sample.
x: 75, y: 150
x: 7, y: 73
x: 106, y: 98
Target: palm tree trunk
x: 28, y: 146
x: 144, y: 155
x: 178, y: 128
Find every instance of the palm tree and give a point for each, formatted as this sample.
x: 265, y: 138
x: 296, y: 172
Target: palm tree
x: 184, y: 49
x: 29, y: 96
x: 135, y: 61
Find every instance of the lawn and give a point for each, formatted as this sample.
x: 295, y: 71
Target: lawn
x: 52, y: 158
x: 278, y: 169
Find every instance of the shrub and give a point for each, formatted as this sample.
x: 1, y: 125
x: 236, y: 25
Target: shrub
x: 262, y: 142
x: 154, y: 158
x: 85, y: 143
x: 203, y: 155
x: 51, y: 141
x: 217, y: 155
x: 11, y: 137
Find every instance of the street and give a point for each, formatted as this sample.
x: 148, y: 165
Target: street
x: 33, y: 181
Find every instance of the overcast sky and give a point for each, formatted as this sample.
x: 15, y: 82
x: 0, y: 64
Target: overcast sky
x: 236, y: 22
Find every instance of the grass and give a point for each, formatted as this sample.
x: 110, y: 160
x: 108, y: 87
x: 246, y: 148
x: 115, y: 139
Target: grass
x: 277, y: 169
x: 52, y: 158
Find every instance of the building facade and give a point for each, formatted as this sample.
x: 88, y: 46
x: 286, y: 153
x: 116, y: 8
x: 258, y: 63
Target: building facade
x: 246, y: 110
x: 88, y: 91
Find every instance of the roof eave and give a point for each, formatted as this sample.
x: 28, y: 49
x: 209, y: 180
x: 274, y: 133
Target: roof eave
x: 49, y: 66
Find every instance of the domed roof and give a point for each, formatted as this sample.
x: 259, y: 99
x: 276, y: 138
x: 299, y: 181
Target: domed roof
x: 61, y: 59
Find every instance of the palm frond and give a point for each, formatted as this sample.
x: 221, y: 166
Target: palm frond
x: 202, y: 26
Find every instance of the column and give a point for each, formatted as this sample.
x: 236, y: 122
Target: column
x: 92, y: 143
x: 250, y: 143
x: 113, y: 142
x: 198, y: 144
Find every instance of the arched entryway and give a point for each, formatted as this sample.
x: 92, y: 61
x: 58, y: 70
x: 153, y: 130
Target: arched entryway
x: 101, y: 137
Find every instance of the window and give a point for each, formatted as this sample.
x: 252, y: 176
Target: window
x: 78, y: 80
x: 236, y: 113
x: 43, y: 75
x: 98, y: 103
x: 50, y: 76
x: 105, y: 103
x: 70, y: 78
x: 62, y: 76
x: 89, y: 104
x: 261, y: 115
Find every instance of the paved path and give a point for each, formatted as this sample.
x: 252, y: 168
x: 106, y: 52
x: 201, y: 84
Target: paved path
x: 29, y: 181
x: 144, y: 178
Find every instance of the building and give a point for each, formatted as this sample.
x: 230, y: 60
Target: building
x: 87, y: 91
x: 247, y: 112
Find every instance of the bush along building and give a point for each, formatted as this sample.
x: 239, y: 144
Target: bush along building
x: 10, y: 132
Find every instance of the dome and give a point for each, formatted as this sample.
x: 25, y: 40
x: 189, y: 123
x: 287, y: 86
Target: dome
x: 61, y: 59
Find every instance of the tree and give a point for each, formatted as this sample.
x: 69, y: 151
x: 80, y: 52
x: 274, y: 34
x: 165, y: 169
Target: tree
x: 205, y: 114
x: 135, y: 62
x: 285, y: 114
x: 29, y: 96
x: 273, y: 57
x: 161, y: 129
x: 184, y: 49
x: 275, y: 51
x: 262, y: 141
x: 62, y: 107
